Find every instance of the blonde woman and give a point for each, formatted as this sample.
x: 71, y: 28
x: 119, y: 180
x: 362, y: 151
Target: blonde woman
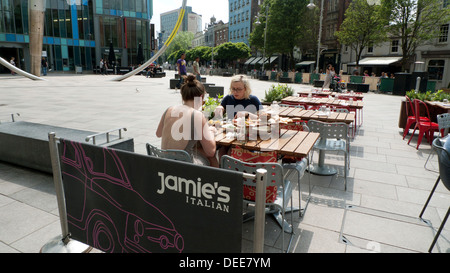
x: 239, y: 100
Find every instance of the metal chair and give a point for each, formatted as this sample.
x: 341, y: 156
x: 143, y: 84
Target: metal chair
x: 179, y: 155
x: 411, y: 117
x: 444, y: 176
x: 443, y: 120
x: 275, y: 177
x: 299, y: 165
x: 426, y: 128
x: 333, y: 137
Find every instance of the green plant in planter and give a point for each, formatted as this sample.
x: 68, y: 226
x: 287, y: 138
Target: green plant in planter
x: 429, y: 95
x: 441, y: 95
x: 277, y: 93
x: 210, y: 105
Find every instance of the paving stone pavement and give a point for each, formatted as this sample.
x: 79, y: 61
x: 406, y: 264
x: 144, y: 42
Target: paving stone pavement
x: 387, y: 183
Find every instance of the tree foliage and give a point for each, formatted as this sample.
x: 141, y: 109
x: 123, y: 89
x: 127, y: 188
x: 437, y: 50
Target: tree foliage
x: 286, y: 27
x: 364, y: 26
x: 231, y: 51
x: 416, y: 22
x: 181, y: 42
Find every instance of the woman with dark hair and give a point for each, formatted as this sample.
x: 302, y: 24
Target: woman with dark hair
x: 184, y: 127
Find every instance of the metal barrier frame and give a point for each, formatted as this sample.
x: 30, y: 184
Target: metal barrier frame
x: 63, y: 243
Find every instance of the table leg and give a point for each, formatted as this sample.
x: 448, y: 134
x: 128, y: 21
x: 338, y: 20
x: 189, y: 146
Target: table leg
x: 320, y: 168
x: 276, y: 213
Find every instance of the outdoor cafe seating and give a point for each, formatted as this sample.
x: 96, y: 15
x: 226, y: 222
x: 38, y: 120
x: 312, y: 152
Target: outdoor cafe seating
x: 278, y: 191
x: 444, y: 176
x: 426, y: 127
x: 333, y: 137
x: 173, y: 154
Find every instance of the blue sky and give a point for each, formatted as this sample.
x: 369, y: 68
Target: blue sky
x: 206, y: 8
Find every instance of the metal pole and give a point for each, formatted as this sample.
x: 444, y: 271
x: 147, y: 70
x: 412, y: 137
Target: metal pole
x: 265, y: 39
x: 260, y: 211
x: 160, y: 51
x: 320, y: 36
x: 57, y: 179
x: 62, y: 243
x: 36, y: 33
x: 418, y: 84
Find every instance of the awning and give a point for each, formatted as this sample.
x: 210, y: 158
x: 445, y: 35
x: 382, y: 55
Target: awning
x: 250, y: 60
x: 255, y: 60
x: 377, y: 61
x: 306, y: 63
x: 272, y: 59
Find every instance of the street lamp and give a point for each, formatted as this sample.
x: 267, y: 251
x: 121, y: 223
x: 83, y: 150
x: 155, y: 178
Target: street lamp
x: 312, y: 6
x: 265, y: 35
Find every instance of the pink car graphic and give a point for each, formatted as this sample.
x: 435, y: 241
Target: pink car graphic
x: 119, y: 220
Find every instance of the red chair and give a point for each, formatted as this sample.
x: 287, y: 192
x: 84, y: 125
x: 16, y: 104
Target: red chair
x: 411, y: 116
x: 425, y: 127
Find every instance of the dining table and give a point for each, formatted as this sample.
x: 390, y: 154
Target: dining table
x: 327, y: 93
x: 352, y: 104
x: 443, y: 106
x: 325, y: 116
x: 297, y: 144
x: 286, y: 143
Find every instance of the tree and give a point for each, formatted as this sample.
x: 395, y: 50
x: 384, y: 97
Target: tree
x: 174, y: 56
x: 285, y: 27
x: 416, y: 22
x: 231, y: 51
x: 181, y: 42
x: 203, y: 52
x: 364, y: 26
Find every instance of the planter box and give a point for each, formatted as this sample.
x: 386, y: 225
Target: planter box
x: 26, y: 144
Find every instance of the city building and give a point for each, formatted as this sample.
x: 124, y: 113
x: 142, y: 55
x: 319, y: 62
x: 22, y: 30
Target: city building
x: 199, y: 39
x: 432, y: 57
x: 333, y: 16
x: 221, y: 33
x: 242, y: 16
x: 78, y: 33
x: 192, y: 22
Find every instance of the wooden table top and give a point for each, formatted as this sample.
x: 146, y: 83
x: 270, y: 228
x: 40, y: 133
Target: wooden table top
x: 330, y: 93
x: 440, y: 104
x: 297, y: 113
x: 357, y: 104
x: 289, y: 142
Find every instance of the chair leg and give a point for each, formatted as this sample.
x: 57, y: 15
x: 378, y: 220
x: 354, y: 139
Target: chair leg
x: 406, y: 130
x: 410, y: 138
x: 439, y: 231
x: 420, y: 139
x: 429, y: 197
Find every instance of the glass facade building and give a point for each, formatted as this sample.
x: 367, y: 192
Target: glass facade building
x: 78, y: 33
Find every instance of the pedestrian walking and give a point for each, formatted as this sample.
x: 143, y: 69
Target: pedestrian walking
x: 13, y: 63
x: 196, y: 67
x: 181, y: 65
x: 44, y: 65
x: 102, y: 66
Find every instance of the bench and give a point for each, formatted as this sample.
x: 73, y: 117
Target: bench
x: 285, y: 80
x: 358, y: 87
x: 26, y: 144
x: 213, y: 91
